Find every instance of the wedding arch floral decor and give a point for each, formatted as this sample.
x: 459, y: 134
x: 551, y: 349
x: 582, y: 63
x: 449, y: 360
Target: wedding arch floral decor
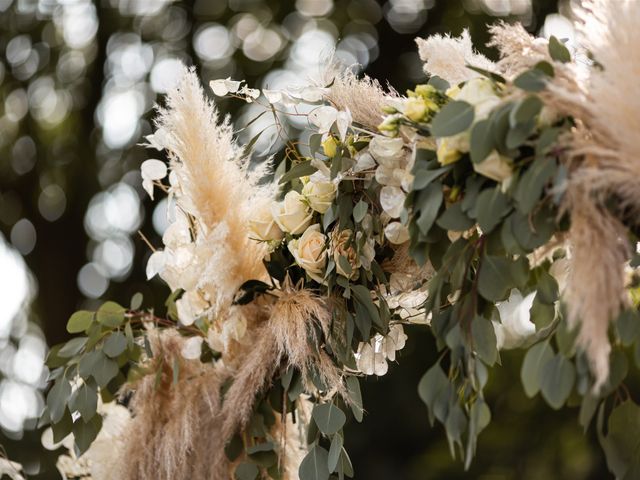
x: 495, y: 205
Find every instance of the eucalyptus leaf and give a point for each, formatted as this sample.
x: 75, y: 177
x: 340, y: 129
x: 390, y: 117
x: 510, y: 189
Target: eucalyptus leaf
x: 533, y: 80
x: 558, y: 51
x: 57, y: 399
x: 532, y: 183
x: 429, y: 202
x: 455, y: 117
x: 498, y: 275
x: 622, y: 448
x: 85, y: 401
x: 72, y: 347
x: 314, y: 466
x: 246, y: 471
x: 334, y: 452
x: 481, y: 141
x: 531, y: 372
x: 492, y: 206
x: 557, y: 379
x: 85, y: 433
x: 453, y: 218
x: 115, y: 344
x: 353, y: 386
x: 360, y: 210
x: 484, y: 339
x: 110, y: 314
x: 422, y: 177
x: 80, y: 321
x: 329, y: 418
x: 300, y: 170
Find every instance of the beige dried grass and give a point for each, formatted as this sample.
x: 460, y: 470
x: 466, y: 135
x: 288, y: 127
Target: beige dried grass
x: 216, y: 178
x: 448, y: 57
x: 363, y: 97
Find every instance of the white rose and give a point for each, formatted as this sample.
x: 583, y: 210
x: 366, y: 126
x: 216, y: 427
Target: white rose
x: 480, y: 93
x: 310, y: 252
x: 263, y: 226
x: 495, y: 166
x: 292, y: 215
x: 319, y: 195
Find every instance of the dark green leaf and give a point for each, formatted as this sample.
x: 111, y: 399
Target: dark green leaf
x: 86, y: 432
x: 431, y: 384
x: 85, y: 401
x: 334, y: 452
x: 234, y: 448
x: 532, y: 183
x: 498, y: 275
x: 628, y: 325
x: 115, y: 344
x: 329, y: 418
x: 72, y: 347
x: 557, y: 379
x: 533, y: 80
x: 484, y: 339
x: 455, y: 425
x: 429, y: 202
x: 454, y: 219
x: 315, y: 465
x: 422, y: 178
x: 57, y: 399
x: 558, y: 51
x: 531, y: 372
x: 79, y: 321
x: 246, y: 471
x: 622, y: 445
x: 63, y: 427
x: 360, y: 210
x: 455, y: 117
x: 363, y: 296
x: 300, y: 170
x: 439, y: 83
x: 481, y: 142
x: 493, y: 76
x: 492, y: 206
x: 525, y: 110
x: 103, y: 369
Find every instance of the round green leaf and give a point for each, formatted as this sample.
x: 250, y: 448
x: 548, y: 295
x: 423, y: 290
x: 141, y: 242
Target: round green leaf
x: 455, y: 117
x: 531, y: 372
x: 315, y: 465
x: 481, y: 142
x: 79, y: 321
x: 334, y: 452
x: 110, y: 314
x: 115, y: 344
x: 484, y: 339
x: 329, y: 418
x: 558, y: 377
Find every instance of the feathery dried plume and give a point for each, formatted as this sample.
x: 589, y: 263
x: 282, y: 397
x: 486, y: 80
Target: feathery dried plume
x: 518, y: 50
x: 214, y: 175
x: 285, y: 335
x: 448, y: 57
x: 363, y: 97
x: 173, y: 430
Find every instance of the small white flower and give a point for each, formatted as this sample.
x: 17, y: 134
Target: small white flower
x: 250, y: 94
x: 371, y: 357
x: 152, y: 170
x: 155, y: 264
x: 396, y: 233
x: 192, y: 348
x: 515, y: 324
x: 222, y: 87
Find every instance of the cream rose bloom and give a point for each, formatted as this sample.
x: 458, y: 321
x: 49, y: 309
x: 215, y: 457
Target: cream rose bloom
x: 263, y: 225
x: 480, y: 93
x: 319, y: 195
x: 496, y: 167
x: 292, y: 214
x: 310, y: 252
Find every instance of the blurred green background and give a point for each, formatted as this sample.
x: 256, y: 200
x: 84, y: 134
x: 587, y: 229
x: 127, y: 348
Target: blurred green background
x: 78, y: 82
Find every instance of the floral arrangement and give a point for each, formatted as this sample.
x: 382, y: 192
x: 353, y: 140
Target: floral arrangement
x: 492, y: 205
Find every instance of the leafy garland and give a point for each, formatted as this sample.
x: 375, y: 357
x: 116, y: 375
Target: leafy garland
x: 469, y: 179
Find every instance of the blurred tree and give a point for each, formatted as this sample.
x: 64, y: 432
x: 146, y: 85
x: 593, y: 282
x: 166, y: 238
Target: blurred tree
x: 78, y: 81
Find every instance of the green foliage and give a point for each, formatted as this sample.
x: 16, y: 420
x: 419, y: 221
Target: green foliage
x: 455, y: 117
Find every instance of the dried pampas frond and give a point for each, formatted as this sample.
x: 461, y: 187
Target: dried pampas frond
x: 596, y: 283
x: 289, y: 334
x: 363, y: 97
x: 214, y: 174
x: 448, y: 57
x: 173, y: 430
